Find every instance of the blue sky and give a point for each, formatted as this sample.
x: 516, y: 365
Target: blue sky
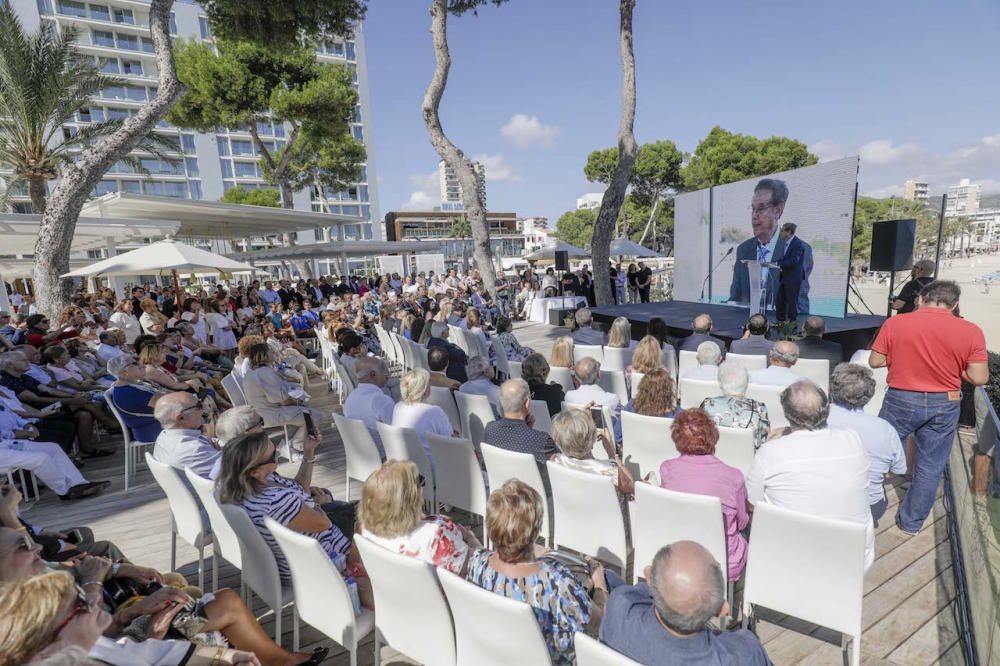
x: 534, y: 87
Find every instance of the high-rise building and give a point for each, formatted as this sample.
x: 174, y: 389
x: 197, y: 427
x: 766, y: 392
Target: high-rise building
x: 115, y: 34
x: 590, y: 201
x: 536, y: 232
x: 451, y: 189
x: 916, y: 190
x: 963, y: 199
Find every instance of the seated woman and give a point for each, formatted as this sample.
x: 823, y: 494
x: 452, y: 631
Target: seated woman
x: 513, y: 348
x: 658, y: 329
x: 87, y: 363
x: 406, y: 327
x: 562, y: 604
x: 271, y: 396
x: 134, y: 397
x: 699, y: 472
x: 57, y: 361
x: 620, y: 335
x: 473, y: 323
x: 154, y: 355
x: 414, y: 412
x: 391, y: 515
x: 733, y: 409
x: 351, y: 347
x: 535, y: 371
x: 646, y: 357
x: 248, y: 478
x: 656, y: 397
x: 574, y: 434
x: 562, y: 353
x: 152, y: 320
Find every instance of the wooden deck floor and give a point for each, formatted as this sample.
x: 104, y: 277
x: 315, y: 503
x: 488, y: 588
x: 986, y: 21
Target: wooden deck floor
x: 909, y: 614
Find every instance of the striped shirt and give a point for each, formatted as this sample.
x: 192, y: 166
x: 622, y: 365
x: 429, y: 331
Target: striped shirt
x: 281, y: 500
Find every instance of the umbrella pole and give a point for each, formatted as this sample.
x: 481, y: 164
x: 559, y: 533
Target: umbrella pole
x: 177, y: 291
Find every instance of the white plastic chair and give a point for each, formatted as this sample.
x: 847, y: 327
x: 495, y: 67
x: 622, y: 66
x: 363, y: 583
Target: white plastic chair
x: 543, y: 420
x: 475, y: 411
x: 26, y: 495
x: 260, y: 570
x: 694, y: 391
x: 592, y: 652
x: 490, y: 629
x: 646, y: 442
x: 735, y: 448
x: 461, y: 483
x: 613, y: 381
x: 792, y: 552
x: 515, y: 369
x: 687, y: 361
x: 815, y: 369
x: 404, y: 444
x: 321, y: 595
x: 360, y: 450
x: 419, y: 353
x: 748, y: 361
x: 224, y: 539
x: 401, y: 358
x: 874, y: 405
x: 443, y: 398
x: 770, y: 396
x: 616, y: 358
x: 595, y: 352
x: 413, y: 615
x: 185, y: 518
x: 234, y: 390
x: 132, y: 448
x: 456, y: 337
x: 634, y: 379
x: 503, y: 465
x: 500, y: 356
x: 563, y: 377
x: 588, y: 517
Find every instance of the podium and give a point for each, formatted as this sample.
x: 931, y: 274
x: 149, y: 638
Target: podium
x: 758, y: 300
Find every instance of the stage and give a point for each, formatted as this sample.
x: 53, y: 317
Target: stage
x: 853, y: 332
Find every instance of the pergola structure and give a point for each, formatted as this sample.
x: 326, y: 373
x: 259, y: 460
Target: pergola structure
x: 340, y: 249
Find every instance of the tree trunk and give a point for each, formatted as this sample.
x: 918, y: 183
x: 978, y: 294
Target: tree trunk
x: 58, y: 225
x: 303, y: 267
x: 627, y: 151
x: 36, y: 190
x: 468, y: 178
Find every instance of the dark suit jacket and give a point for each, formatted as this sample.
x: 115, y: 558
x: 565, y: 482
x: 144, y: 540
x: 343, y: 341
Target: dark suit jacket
x: 813, y: 346
x: 586, y: 335
x: 691, y: 342
x: 552, y: 394
x: 753, y: 345
x: 791, y: 262
x: 456, y: 359
x: 739, y: 291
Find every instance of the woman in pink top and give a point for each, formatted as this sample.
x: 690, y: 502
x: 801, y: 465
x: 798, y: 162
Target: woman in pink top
x: 699, y: 472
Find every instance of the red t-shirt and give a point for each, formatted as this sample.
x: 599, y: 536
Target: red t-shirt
x: 927, y: 350
x: 38, y: 339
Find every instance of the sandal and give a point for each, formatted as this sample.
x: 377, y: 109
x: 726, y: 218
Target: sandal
x: 97, y: 453
x: 318, y: 656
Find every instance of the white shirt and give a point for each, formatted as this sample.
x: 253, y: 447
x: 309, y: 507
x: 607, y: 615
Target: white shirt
x: 127, y: 323
x: 703, y: 372
x: 186, y: 448
x: 592, y: 392
x: 822, y: 472
x: 881, y: 442
x: 107, y: 352
x: 774, y: 375
x: 423, y: 418
x: 200, y: 329
x: 483, y: 386
x: 768, y: 255
x: 370, y: 404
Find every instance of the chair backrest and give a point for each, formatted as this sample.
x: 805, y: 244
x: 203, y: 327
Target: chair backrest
x: 321, y: 595
x: 360, y: 449
x: 815, y: 369
x: 595, y: 352
x: 874, y: 405
x: 126, y: 433
x: 500, y: 356
x: 405, y: 350
x: 456, y: 337
x: 592, y: 652
x: 404, y: 444
x: 693, y: 391
x: 490, y: 629
x: 634, y: 379
x: 661, y: 516
x: 770, y: 396
x: 613, y: 381
x: 419, y: 355
x: 475, y: 411
x: 401, y: 357
x: 443, y: 398
x: 543, y: 420
x: 223, y: 536
x: 562, y: 376
x: 588, y: 517
x: 646, y: 442
x: 616, y: 358
x: 748, y: 361
x: 687, y: 360
x: 735, y: 448
x: 388, y: 349
x: 234, y: 390
x: 460, y: 478
x: 184, y: 505
x: 503, y: 465
x: 260, y: 569
x: 792, y: 552
x: 515, y: 369
x: 346, y: 383
x: 474, y: 341
x: 413, y: 615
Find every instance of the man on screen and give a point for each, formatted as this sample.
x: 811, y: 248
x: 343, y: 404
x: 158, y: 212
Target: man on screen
x: 792, y: 267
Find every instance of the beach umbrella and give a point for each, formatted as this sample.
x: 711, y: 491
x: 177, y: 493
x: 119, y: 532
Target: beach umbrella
x: 549, y: 251
x: 623, y: 247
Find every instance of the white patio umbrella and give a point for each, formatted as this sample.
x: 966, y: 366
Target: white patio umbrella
x: 549, y: 251
x: 623, y: 247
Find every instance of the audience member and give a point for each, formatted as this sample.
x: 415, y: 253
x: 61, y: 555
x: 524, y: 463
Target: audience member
x: 754, y: 342
x: 512, y: 348
x: 668, y: 344
x: 620, y: 335
x: 575, y: 435
x: 515, y: 431
x: 271, y: 396
x: 922, y: 275
x: 702, y: 329
x: 480, y: 382
x: 587, y: 372
x: 535, y: 371
x: 368, y: 401
x: 181, y: 443
x: 709, y: 357
x: 646, y: 358
x: 733, y: 409
x: 783, y: 355
x: 585, y: 333
x: 562, y: 353
x: 438, y: 361
x: 110, y: 347
x: 812, y: 344
x: 414, y: 412
x: 135, y: 398
x: 456, y: 357
x: 656, y: 396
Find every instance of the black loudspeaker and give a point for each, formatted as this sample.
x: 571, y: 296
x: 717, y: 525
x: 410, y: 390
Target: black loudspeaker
x: 562, y: 260
x: 892, y: 245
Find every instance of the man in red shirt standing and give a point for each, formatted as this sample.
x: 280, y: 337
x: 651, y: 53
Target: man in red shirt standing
x: 929, y: 352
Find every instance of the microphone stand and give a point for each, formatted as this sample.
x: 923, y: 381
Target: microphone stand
x: 705, y: 283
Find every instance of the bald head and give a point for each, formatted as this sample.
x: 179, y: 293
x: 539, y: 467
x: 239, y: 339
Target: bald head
x: 702, y: 324
x: 587, y: 370
x: 784, y: 353
x: 371, y: 370
x: 813, y: 325
x: 514, y: 397
x: 171, y: 409
x: 687, y: 585
x: 805, y: 405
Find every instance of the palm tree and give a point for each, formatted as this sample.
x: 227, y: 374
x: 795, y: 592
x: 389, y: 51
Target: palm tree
x: 462, y: 229
x: 44, y: 82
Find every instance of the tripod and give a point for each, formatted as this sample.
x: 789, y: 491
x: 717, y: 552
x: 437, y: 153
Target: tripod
x: 857, y: 294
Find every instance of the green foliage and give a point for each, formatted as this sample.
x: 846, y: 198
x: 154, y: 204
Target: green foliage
x: 260, y: 197
x: 282, y: 23
x: 601, y: 165
x: 460, y: 228
x: 993, y: 385
x: 657, y: 170
x: 724, y: 157
x: 869, y: 211
x: 576, y: 227
x: 459, y: 7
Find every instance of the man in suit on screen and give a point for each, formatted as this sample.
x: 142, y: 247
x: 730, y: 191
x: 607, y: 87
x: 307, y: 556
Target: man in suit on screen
x: 792, y: 266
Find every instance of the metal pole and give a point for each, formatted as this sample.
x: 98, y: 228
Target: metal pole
x: 937, y: 256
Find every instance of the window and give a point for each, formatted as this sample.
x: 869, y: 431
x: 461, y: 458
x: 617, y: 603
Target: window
x: 363, y: 193
x: 123, y: 16
x: 228, y: 185
x: 350, y: 51
x: 133, y: 67
x: 358, y: 132
x: 106, y: 187
x: 152, y: 187
x: 206, y: 30
x: 113, y: 92
x: 173, y: 24
x: 357, y: 113
x: 108, y: 65
x: 23, y: 208
x: 192, y: 166
x: 147, y: 46
x: 83, y: 115
x: 242, y: 147
x: 366, y: 212
x: 187, y: 143
x: 135, y: 93
x: 227, y: 168
x: 131, y: 186
x: 100, y: 13
x: 71, y: 8
x: 103, y: 38
x: 352, y: 210
x: 279, y: 130
x: 130, y: 42
x: 264, y: 129
x: 195, y: 189
x: 223, y: 145
x: 176, y: 190
x: 246, y: 170
x: 117, y: 114
x: 45, y: 6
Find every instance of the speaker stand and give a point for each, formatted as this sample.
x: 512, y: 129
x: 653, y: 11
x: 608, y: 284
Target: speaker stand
x: 892, y: 290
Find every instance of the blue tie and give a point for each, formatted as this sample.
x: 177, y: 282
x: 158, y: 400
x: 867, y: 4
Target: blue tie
x: 762, y: 252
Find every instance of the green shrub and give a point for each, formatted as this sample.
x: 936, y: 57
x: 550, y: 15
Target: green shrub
x: 993, y: 386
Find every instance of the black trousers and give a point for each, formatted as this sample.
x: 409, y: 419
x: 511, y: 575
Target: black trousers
x: 644, y: 294
x: 343, y: 515
x: 787, y: 301
x: 59, y: 428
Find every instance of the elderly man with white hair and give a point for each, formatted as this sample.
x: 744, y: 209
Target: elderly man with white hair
x: 783, y: 355
x: 585, y: 333
x: 368, y: 402
x: 480, y: 382
x: 182, y: 443
x: 733, y: 409
x: 814, y: 469
x: 709, y: 357
x: 587, y: 372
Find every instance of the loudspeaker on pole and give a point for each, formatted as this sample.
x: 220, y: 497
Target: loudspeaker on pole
x: 892, y: 245
x: 562, y: 260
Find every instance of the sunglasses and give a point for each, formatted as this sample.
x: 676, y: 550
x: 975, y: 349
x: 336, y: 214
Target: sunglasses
x: 82, y: 605
x: 273, y: 460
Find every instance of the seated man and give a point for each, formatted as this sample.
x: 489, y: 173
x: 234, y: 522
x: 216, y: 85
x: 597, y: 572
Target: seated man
x: 702, y: 328
x: 456, y: 357
x: 515, y: 431
x: 368, y: 401
x: 754, y: 341
x: 814, y: 469
x: 585, y: 333
x: 812, y: 344
x: 851, y: 387
x: 437, y: 361
x: 588, y: 372
x: 782, y: 357
x: 457, y: 317
x: 110, y: 347
x: 182, y: 443
x: 709, y: 358
x: 664, y: 621
x: 480, y: 382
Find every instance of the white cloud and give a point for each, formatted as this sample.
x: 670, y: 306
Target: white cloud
x: 497, y: 169
x: 828, y: 149
x: 426, y: 194
x: 525, y: 131
x: 882, y: 152
x: 885, y: 192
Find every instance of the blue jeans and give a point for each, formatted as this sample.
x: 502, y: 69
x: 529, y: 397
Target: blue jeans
x: 933, y: 419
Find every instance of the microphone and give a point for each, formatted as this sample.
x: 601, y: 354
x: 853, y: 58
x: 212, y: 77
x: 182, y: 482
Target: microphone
x: 705, y: 283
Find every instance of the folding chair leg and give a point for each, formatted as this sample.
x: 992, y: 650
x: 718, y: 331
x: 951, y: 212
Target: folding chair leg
x: 277, y: 624
x: 173, y: 548
x: 128, y: 465
x: 215, y: 567
x: 201, y: 566
x: 295, y: 628
x: 378, y: 651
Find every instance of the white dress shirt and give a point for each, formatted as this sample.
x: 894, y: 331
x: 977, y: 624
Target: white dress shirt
x: 774, y: 375
x: 182, y: 448
x: 370, y: 404
x: 881, y: 442
x: 107, y: 352
x: 821, y: 472
x: 592, y: 392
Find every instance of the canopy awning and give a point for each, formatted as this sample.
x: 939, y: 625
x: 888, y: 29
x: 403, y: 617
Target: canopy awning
x: 162, y: 258
x: 18, y: 232
x: 549, y: 251
x: 624, y: 247
x: 335, y: 249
